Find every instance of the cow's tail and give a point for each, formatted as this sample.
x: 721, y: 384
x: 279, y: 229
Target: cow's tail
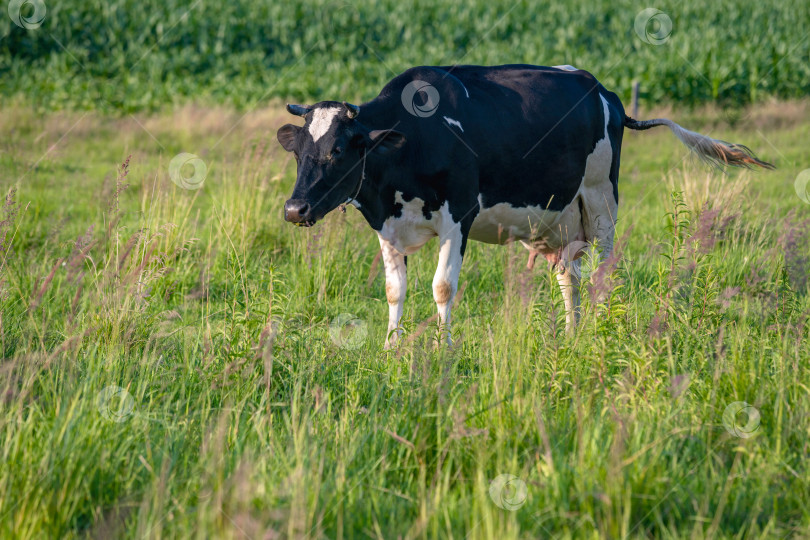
x: 713, y: 151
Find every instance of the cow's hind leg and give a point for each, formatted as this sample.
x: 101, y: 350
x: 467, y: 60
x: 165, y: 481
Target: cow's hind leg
x: 597, y: 229
x: 396, y: 282
x: 566, y: 264
x: 599, y: 221
x: 568, y: 278
x: 599, y: 195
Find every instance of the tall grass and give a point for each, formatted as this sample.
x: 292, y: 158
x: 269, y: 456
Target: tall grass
x: 126, y: 55
x: 168, y: 369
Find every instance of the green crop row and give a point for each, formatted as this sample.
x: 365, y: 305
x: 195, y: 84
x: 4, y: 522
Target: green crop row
x: 131, y: 55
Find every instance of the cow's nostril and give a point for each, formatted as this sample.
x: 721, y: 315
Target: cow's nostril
x: 296, y: 211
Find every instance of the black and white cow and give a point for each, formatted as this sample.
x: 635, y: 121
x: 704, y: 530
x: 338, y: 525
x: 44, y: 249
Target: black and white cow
x: 495, y: 154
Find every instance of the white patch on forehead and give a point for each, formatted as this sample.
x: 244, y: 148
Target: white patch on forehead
x: 452, y: 122
x: 566, y: 67
x: 322, y: 120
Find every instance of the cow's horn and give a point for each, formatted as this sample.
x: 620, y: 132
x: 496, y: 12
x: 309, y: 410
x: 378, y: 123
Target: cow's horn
x: 353, y: 110
x: 297, y: 110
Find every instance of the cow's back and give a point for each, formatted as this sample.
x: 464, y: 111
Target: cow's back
x: 539, y: 125
x: 522, y: 139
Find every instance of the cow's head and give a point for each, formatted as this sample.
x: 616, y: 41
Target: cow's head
x: 330, y: 150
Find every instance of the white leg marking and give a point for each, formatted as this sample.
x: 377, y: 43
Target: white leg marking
x: 445, y: 281
x: 569, y: 285
x: 396, y: 283
x: 322, y: 120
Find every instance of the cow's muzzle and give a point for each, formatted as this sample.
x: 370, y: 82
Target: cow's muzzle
x: 299, y: 212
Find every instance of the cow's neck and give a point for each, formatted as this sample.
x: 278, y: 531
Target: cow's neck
x: 376, y: 195
x: 374, y: 205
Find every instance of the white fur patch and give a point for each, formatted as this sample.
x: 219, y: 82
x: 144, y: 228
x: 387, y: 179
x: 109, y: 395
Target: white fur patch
x: 566, y: 67
x: 408, y: 232
x: 502, y: 222
x: 322, y: 120
x: 596, y: 191
x: 452, y: 122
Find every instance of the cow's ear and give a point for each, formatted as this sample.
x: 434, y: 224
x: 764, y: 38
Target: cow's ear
x: 385, y: 141
x: 286, y: 136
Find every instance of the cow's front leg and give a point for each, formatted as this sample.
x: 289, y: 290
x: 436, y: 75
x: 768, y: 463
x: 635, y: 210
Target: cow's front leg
x: 445, y: 281
x: 396, y: 281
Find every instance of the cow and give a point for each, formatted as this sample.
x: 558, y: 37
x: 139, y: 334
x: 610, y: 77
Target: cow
x: 494, y: 154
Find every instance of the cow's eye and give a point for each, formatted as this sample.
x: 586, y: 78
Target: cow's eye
x: 337, y: 151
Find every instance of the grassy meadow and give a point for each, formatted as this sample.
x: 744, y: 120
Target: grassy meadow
x: 179, y: 362
x: 174, y: 366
